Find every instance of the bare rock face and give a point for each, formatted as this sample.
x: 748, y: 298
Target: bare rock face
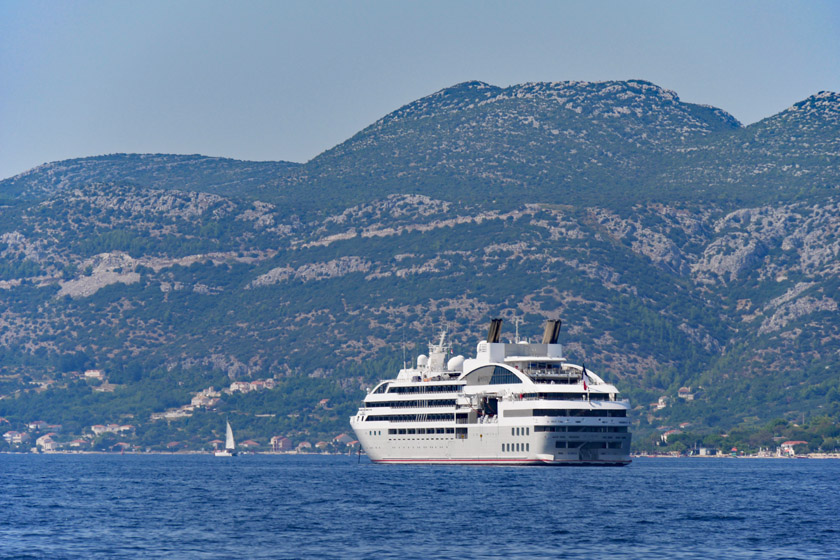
x: 234, y: 368
x: 652, y: 243
x: 17, y: 245
x: 793, y: 310
x: 729, y: 258
x: 105, y: 269
x: 393, y: 206
x: 816, y: 239
x: 174, y: 204
x: 313, y: 271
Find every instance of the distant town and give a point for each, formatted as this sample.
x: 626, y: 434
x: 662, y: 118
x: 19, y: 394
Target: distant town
x: 38, y: 436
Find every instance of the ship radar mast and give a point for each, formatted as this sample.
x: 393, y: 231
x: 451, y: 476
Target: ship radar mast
x: 438, y: 352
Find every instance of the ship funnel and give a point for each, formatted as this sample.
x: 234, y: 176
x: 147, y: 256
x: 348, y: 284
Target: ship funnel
x: 552, y: 331
x: 495, y: 332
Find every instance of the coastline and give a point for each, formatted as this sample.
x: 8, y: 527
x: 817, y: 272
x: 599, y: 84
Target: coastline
x: 669, y: 456
x: 287, y: 453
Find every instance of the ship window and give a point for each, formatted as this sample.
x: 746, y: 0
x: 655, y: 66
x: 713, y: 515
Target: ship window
x: 527, y: 431
x: 383, y: 388
x: 527, y: 447
x: 575, y: 396
x: 512, y: 431
x: 449, y: 430
x: 591, y: 429
x: 502, y: 376
x: 491, y: 375
x: 426, y: 388
x: 581, y: 413
x: 560, y: 444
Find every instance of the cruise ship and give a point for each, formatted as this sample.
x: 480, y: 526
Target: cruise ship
x: 515, y: 403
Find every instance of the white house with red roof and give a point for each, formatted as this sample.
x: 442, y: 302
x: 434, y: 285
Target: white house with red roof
x: 281, y: 443
x: 668, y: 434
x: 46, y: 442
x: 789, y: 447
x: 94, y: 374
x: 15, y: 437
x: 37, y: 425
x: 343, y: 439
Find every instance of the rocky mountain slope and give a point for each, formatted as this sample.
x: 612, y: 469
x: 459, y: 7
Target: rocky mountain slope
x: 161, y: 171
x: 680, y: 248
x: 546, y: 141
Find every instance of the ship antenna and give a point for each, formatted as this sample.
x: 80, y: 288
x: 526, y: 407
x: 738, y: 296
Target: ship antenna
x: 403, y: 347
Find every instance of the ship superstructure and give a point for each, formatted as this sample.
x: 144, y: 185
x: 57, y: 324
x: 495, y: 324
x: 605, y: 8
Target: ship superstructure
x: 515, y: 403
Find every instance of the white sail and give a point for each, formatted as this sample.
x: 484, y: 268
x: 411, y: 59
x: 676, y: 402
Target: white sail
x: 230, y: 443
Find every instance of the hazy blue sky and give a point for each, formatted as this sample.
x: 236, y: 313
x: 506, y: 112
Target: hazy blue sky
x: 286, y: 80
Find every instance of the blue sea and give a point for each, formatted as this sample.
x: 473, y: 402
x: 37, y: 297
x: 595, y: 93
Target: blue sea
x: 193, y: 506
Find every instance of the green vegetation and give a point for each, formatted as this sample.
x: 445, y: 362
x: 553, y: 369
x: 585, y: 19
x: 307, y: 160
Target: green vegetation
x: 820, y: 434
x: 175, y: 273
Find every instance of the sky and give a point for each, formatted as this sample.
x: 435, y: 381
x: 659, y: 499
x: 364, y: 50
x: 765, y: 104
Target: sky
x: 286, y: 80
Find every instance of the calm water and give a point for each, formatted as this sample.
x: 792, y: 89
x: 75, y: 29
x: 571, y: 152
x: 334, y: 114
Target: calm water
x: 97, y: 506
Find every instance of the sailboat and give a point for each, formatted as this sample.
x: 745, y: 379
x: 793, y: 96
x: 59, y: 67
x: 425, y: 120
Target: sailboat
x: 230, y: 444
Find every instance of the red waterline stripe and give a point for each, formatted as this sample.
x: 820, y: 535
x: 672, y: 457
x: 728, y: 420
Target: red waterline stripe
x: 518, y: 461
x: 457, y: 460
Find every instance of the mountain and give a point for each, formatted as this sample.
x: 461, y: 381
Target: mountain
x: 160, y: 171
x: 681, y: 249
x: 547, y: 141
x: 792, y: 155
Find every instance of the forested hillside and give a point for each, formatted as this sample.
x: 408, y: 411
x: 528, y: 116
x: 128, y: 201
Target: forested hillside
x: 681, y: 250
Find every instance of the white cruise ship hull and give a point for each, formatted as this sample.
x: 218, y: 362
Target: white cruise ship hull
x: 490, y: 445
